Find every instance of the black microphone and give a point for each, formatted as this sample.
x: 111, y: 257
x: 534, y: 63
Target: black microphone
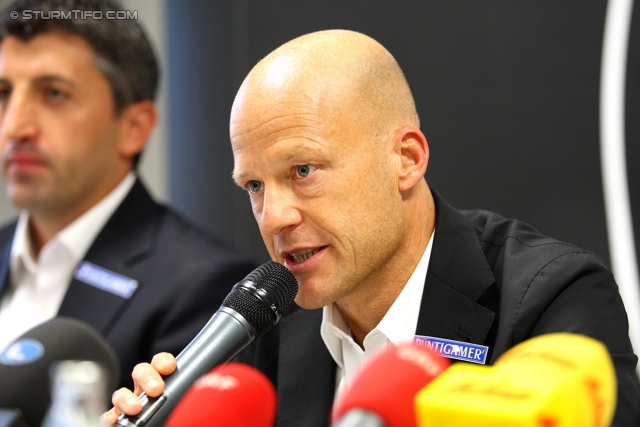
x: 24, y: 365
x: 253, y: 306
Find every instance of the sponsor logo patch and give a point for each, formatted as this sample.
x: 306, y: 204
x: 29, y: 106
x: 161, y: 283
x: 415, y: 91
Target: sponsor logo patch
x: 22, y: 352
x: 459, y: 350
x: 106, y: 280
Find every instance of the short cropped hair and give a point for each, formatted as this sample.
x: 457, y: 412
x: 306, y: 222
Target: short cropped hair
x: 123, y: 52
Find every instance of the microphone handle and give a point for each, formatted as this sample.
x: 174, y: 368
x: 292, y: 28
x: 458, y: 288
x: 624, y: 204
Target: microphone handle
x: 360, y: 418
x: 224, y: 336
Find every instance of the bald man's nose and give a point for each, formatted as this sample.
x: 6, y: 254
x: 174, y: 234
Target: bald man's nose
x: 19, y: 119
x: 279, y: 212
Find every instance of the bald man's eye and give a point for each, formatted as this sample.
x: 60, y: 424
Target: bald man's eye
x: 254, y: 186
x: 304, y: 171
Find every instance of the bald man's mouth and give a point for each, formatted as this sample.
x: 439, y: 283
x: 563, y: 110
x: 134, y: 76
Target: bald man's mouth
x: 303, y: 255
x: 296, y: 258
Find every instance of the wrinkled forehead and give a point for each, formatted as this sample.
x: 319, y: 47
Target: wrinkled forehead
x: 288, y: 84
x: 278, y: 120
x: 287, y: 132
x: 268, y: 136
x: 280, y: 115
x: 274, y: 143
x: 286, y: 107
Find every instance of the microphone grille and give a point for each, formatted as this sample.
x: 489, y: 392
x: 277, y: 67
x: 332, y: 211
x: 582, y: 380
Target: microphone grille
x: 272, y: 279
x: 277, y: 281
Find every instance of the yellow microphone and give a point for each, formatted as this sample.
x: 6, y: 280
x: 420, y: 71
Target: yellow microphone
x: 554, y: 380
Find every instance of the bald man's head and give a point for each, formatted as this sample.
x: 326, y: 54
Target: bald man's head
x: 326, y: 142
x: 345, y: 71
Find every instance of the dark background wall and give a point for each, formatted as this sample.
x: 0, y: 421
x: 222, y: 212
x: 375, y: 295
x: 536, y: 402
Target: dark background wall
x: 632, y: 120
x: 507, y: 93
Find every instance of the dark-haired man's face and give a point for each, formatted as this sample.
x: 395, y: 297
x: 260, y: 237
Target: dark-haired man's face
x: 59, y: 137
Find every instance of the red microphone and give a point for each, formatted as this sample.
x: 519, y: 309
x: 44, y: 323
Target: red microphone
x: 229, y: 395
x: 382, y: 391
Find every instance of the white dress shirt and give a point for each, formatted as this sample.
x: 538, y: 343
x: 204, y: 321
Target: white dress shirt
x: 398, y: 326
x: 37, y: 286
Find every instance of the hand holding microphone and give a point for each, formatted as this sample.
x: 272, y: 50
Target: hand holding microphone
x: 252, y: 307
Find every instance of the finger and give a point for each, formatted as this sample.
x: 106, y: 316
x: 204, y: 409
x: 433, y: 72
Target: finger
x: 109, y: 418
x: 147, y: 379
x: 124, y: 402
x: 164, y: 363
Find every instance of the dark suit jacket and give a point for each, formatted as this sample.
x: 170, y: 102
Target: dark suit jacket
x: 490, y: 281
x: 183, y: 276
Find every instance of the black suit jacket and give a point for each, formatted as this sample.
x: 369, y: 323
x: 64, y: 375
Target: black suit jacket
x: 183, y: 275
x: 490, y: 281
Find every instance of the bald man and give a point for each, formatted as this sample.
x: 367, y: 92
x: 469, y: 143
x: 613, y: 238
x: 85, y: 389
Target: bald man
x: 326, y: 141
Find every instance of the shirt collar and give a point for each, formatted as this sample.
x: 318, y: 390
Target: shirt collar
x: 20, y: 259
x: 77, y: 237
x: 398, y: 324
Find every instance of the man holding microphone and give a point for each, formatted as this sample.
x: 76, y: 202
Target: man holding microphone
x: 327, y: 143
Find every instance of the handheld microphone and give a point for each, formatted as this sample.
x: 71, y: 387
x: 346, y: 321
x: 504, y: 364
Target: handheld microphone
x: 382, y: 391
x: 559, y: 379
x: 233, y: 394
x: 24, y: 365
x: 253, y: 306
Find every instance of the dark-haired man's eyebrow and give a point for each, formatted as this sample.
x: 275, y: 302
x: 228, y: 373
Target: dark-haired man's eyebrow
x: 54, y: 79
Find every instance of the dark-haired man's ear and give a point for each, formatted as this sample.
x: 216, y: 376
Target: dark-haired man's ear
x: 138, y: 121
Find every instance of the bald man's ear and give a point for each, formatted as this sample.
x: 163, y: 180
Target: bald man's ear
x: 137, y: 122
x: 413, y: 150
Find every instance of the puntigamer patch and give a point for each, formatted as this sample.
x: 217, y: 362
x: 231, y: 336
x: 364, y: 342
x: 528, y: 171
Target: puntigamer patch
x: 459, y: 350
x: 106, y: 280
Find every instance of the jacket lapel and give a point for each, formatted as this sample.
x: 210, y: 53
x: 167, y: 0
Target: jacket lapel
x: 6, y: 241
x: 457, y: 277
x: 306, y: 371
x: 127, y: 237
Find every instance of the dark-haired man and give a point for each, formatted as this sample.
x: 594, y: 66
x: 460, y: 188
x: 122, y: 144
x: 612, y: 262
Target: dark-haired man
x: 76, y: 110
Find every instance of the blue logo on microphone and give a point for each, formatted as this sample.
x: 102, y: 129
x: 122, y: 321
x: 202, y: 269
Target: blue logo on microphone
x: 22, y: 352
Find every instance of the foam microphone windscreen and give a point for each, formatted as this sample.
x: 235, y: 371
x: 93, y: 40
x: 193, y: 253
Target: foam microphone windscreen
x: 386, y: 384
x: 24, y: 365
x: 553, y: 380
x: 231, y: 395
